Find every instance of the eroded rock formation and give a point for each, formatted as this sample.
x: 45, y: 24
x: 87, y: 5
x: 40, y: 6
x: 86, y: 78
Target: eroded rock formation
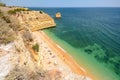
x: 58, y: 15
x: 34, y: 20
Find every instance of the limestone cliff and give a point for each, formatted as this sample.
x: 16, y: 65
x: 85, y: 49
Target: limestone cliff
x: 25, y: 18
x: 34, y: 20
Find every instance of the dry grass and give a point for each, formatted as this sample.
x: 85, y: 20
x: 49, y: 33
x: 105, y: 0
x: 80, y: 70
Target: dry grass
x: 6, y: 33
x: 16, y: 10
x: 6, y: 18
x: 25, y: 74
x: 27, y: 36
x: 16, y: 26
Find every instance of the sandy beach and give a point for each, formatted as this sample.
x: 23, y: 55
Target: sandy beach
x: 63, y: 55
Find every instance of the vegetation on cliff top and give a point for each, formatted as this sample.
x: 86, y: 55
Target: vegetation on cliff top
x: 17, y: 10
x: 2, y: 4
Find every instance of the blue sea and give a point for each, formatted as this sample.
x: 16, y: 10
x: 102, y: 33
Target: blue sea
x: 91, y: 36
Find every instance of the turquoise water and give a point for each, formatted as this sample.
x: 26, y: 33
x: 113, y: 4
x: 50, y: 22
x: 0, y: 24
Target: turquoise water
x: 91, y: 36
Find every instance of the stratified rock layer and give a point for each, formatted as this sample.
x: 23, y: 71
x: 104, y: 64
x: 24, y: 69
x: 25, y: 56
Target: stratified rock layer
x: 33, y: 20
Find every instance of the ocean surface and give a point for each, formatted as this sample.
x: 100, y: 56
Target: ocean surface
x: 91, y: 36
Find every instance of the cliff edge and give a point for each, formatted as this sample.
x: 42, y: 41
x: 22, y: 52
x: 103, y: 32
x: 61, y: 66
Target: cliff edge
x: 25, y: 18
x: 35, y: 20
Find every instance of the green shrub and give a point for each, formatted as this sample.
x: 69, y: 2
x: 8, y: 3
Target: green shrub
x: 2, y: 4
x: 16, y: 10
x: 35, y: 47
x: 11, y: 12
x: 41, y: 12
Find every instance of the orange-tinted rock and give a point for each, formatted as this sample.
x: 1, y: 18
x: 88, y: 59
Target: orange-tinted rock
x: 58, y: 15
x: 34, y: 20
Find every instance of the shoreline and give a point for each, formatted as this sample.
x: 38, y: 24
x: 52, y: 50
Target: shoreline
x: 64, y: 56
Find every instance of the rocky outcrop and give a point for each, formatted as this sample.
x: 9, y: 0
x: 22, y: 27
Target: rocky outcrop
x: 25, y: 18
x: 33, y: 20
x: 58, y: 15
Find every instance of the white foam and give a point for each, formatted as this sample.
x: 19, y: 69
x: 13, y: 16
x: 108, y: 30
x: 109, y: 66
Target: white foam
x: 61, y: 48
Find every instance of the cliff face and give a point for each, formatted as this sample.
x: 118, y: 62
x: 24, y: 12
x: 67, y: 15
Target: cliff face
x: 34, y: 20
x: 23, y: 18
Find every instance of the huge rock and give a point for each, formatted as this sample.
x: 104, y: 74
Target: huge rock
x: 34, y: 20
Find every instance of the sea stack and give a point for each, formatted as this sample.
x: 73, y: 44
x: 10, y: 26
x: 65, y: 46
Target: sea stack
x: 58, y: 15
